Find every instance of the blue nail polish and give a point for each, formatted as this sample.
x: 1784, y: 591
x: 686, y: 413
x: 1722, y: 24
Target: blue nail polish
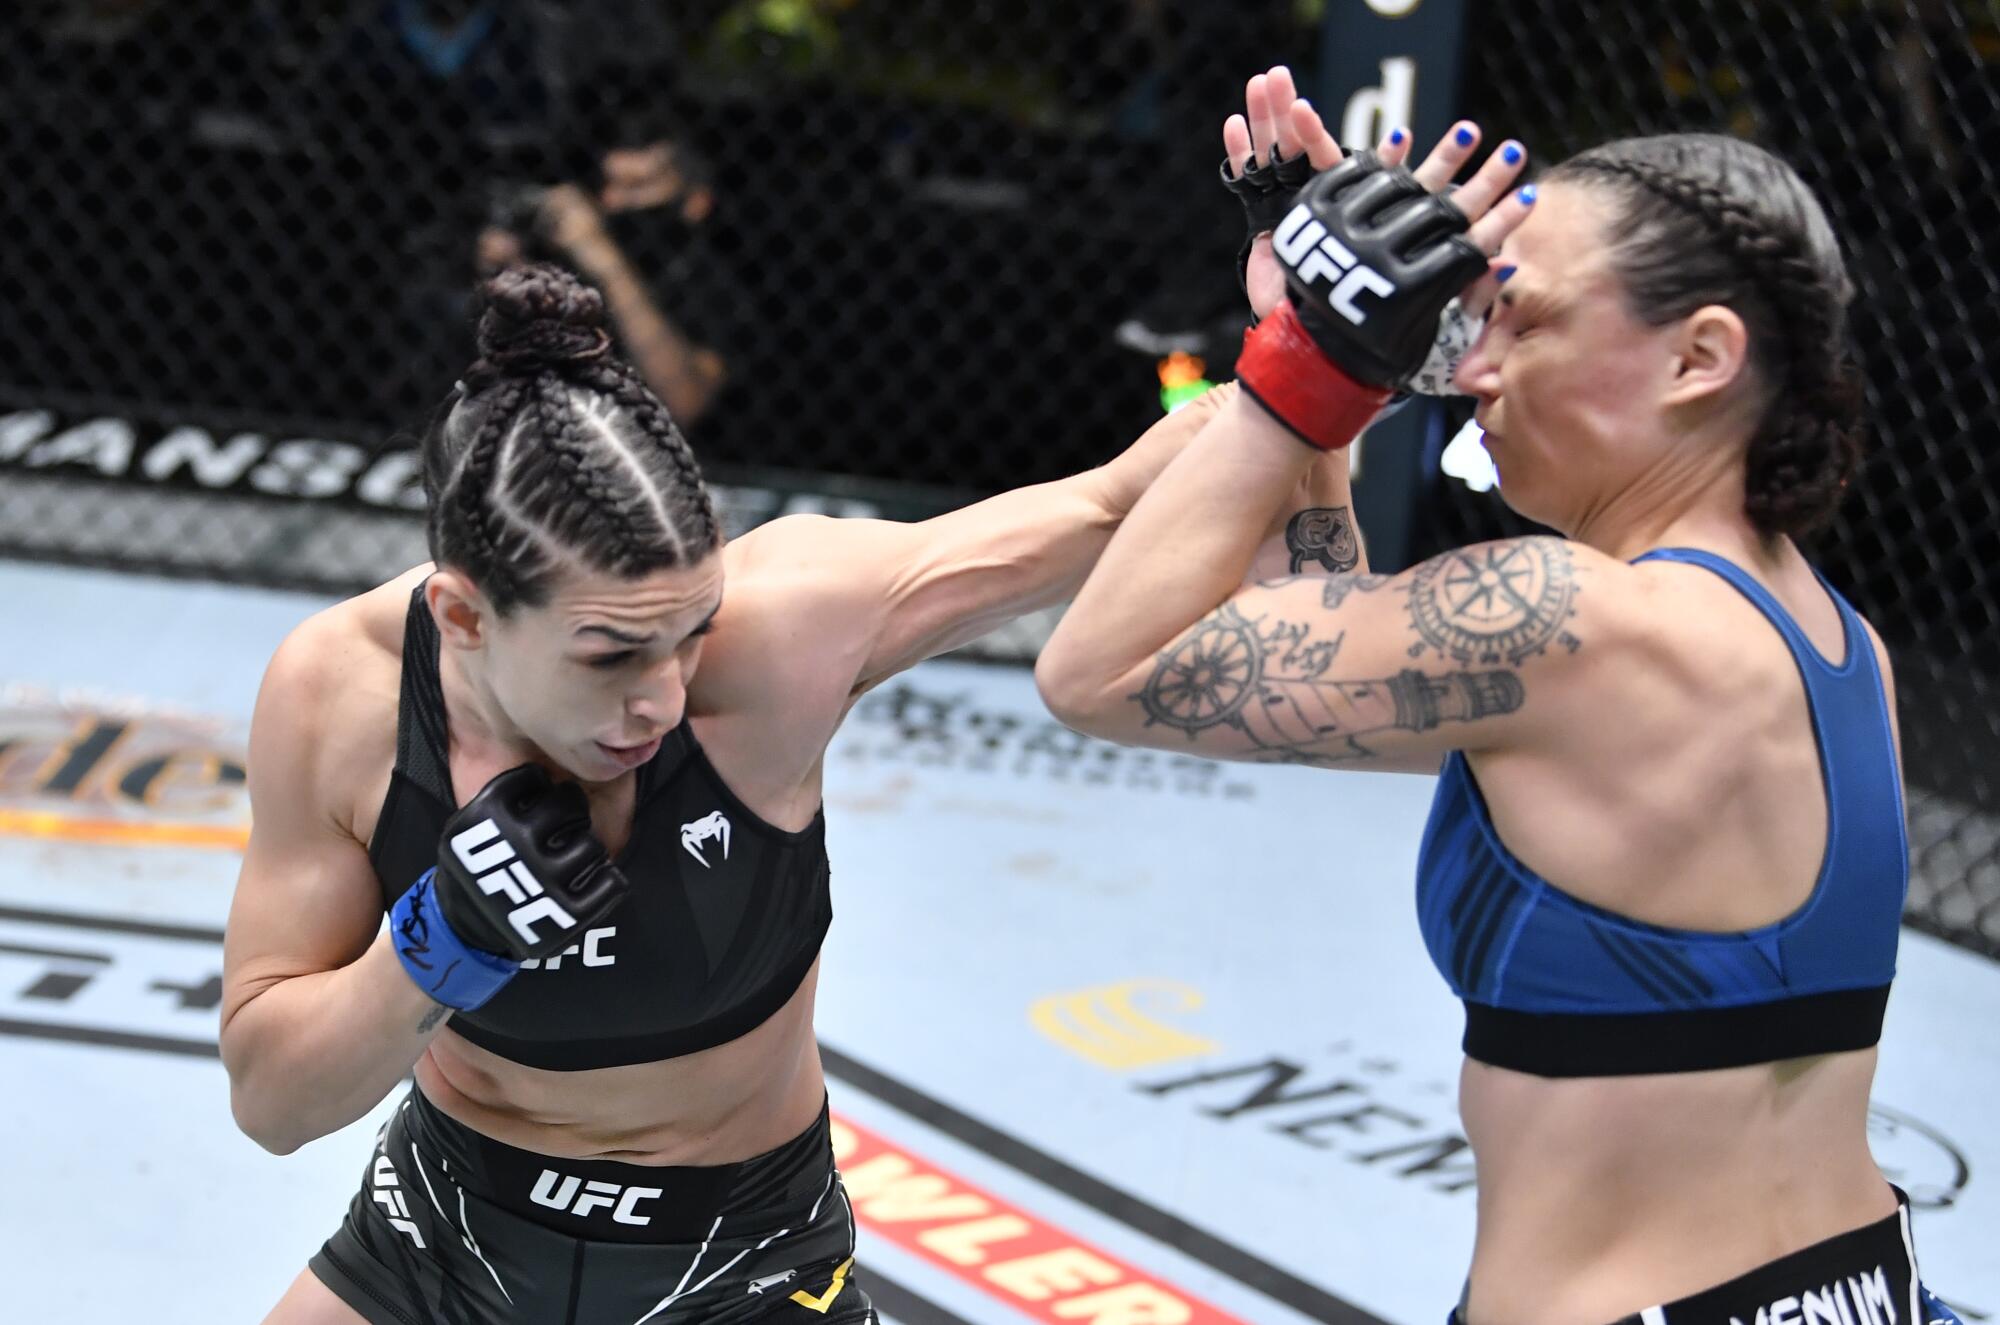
x: 1511, y: 154
x: 1504, y: 274
x: 1396, y: 137
x: 1464, y: 136
x: 1527, y: 195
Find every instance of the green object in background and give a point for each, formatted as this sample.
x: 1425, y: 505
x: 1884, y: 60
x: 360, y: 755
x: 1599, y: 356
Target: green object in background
x: 1181, y: 380
x: 1173, y: 397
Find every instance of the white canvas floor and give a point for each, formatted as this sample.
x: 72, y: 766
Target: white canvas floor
x: 1058, y: 975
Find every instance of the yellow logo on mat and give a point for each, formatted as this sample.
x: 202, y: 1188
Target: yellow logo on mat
x: 825, y: 1300
x: 1106, y: 1026
x: 114, y: 771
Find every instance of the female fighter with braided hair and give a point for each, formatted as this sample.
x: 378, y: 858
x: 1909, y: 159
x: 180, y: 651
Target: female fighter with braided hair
x: 1665, y: 864
x: 605, y: 869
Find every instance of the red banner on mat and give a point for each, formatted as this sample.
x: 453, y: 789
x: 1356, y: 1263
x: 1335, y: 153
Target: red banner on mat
x: 1003, y: 1250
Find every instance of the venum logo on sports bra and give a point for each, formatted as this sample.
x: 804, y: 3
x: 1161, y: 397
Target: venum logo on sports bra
x: 578, y: 1197
x: 711, y: 828
x: 486, y: 854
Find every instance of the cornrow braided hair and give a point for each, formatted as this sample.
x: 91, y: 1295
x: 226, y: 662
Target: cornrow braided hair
x: 484, y: 527
x: 1762, y: 245
x: 620, y: 382
x: 552, y: 453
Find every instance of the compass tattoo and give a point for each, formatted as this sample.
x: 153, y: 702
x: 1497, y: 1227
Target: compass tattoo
x: 1495, y: 603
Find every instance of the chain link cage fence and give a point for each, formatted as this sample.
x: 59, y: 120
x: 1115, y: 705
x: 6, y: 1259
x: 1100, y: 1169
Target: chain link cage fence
x: 881, y: 257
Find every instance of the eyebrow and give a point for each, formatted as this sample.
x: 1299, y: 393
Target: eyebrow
x: 1529, y: 303
x: 623, y: 637
x: 618, y: 635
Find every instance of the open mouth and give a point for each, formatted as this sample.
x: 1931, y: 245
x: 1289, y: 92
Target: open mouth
x: 631, y: 756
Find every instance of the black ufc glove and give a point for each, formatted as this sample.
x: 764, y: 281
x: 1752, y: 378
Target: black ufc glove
x: 519, y: 871
x: 1371, y: 258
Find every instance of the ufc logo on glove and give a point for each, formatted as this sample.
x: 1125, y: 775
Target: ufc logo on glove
x: 486, y: 855
x: 1303, y: 244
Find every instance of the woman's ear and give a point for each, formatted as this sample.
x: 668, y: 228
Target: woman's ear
x: 462, y: 613
x: 1712, y: 351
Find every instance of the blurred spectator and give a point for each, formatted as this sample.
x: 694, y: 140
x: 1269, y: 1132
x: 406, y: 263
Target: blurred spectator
x: 643, y: 235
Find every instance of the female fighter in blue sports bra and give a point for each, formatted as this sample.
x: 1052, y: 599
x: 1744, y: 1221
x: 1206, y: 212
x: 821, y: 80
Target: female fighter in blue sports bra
x: 1665, y: 865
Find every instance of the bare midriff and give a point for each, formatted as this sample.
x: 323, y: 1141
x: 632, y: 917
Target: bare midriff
x: 1600, y: 1197
x: 718, y: 1106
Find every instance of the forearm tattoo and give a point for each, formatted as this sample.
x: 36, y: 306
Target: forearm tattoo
x: 437, y: 1014
x: 1325, y: 536
x: 1267, y: 678
x: 1336, y: 590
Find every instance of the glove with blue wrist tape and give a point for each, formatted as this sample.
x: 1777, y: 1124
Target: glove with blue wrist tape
x: 520, y: 875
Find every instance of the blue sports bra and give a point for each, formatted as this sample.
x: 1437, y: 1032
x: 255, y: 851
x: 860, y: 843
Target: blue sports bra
x: 1557, y: 987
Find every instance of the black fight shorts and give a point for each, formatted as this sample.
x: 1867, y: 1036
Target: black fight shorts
x: 453, y: 1228
x: 1867, y: 1276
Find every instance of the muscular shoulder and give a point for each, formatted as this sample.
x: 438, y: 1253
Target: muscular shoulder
x: 1518, y: 599
x: 325, y: 722
x: 1721, y: 652
x: 1594, y: 642
x: 1707, y: 622
x: 787, y: 587
x: 778, y: 646
x: 798, y: 551
x: 336, y: 661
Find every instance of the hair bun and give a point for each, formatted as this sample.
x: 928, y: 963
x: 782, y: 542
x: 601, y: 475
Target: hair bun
x: 540, y: 317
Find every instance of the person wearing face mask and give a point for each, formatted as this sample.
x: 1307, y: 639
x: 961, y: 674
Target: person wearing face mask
x: 645, y: 239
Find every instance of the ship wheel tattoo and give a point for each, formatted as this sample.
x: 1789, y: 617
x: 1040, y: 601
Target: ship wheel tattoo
x: 1496, y: 603
x: 1204, y: 679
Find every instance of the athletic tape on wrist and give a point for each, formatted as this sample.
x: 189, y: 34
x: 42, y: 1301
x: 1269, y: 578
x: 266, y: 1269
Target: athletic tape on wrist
x: 443, y: 964
x: 1283, y: 369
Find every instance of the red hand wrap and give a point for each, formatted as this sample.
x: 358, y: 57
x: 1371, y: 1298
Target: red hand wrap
x: 1283, y: 369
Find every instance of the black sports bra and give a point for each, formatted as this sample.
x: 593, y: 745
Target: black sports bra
x: 725, y: 916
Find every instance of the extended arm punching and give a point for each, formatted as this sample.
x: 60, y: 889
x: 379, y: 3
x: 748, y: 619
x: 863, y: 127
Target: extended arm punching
x: 901, y: 593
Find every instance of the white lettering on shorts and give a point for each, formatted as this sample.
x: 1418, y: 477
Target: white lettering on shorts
x: 388, y: 1194
x: 578, y: 1197
x: 1863, y: 1299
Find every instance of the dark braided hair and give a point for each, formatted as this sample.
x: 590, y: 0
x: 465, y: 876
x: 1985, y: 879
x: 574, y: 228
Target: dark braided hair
x: 552, y: 453
x: 1704, y: 219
